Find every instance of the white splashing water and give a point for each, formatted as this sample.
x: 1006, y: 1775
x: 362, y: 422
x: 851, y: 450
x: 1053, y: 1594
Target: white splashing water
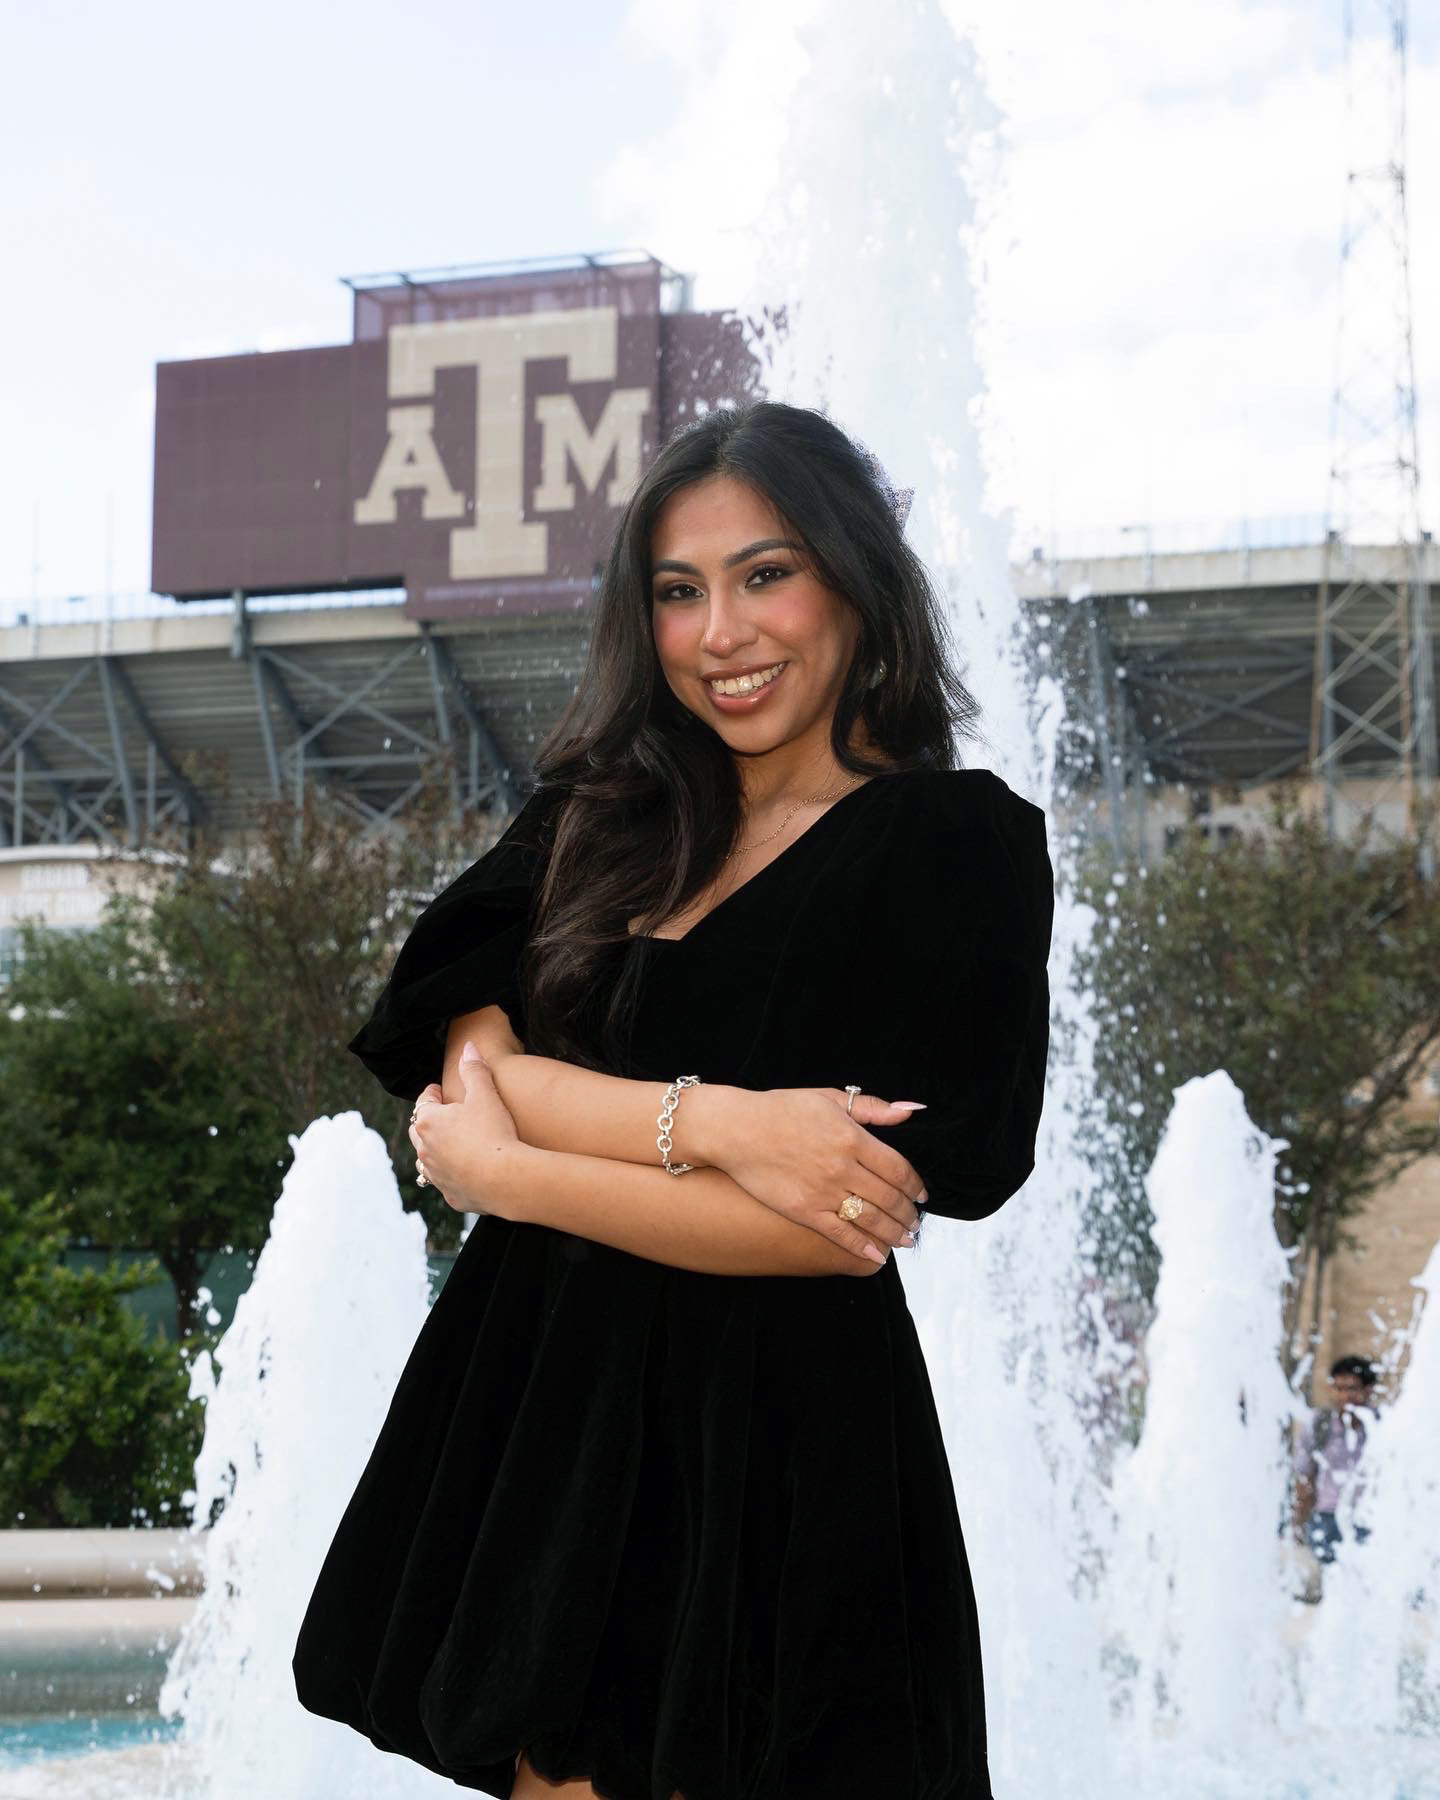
x: 1200, y: 1572
x: 1139, y: 1626
x: 307, y: 1370
x: 1374, y: 1656
x: 869, y: 227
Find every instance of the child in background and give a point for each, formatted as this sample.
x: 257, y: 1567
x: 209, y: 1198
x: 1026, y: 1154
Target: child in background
x: 1326, y: 1462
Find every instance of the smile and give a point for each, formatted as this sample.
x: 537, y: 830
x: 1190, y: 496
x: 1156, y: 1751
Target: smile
x: 742, y: 693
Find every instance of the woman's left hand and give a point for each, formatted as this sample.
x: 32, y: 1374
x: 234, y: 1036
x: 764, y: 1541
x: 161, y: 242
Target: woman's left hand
x: 469, y: 1149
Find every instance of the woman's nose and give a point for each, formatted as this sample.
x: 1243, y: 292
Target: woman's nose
x: 724, y: 627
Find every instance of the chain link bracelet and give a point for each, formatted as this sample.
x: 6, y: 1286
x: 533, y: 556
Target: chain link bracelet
x: 663, y: 1143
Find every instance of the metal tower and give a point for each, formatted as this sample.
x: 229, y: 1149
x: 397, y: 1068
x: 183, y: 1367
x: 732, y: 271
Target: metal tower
x: 1372, y: 733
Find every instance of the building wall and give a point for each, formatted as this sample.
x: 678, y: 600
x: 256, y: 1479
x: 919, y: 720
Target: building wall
x: 1369, y: 1300
x: 1151, y: 814
x: 60, y: 885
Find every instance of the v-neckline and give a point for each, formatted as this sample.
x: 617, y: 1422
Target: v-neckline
x: 650, y: 937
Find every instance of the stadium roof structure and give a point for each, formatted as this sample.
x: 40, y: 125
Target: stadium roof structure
x: 1194, y: 669
x: 1201, y: 667
x: 113, y: 730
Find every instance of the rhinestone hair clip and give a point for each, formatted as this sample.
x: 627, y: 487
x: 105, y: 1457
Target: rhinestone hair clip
x: 899, y: 498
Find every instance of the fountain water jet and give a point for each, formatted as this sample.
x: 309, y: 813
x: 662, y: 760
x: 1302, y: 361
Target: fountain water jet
x: 1374, y: 1655
x: 1201, y: 1577
x: 864, y: 252
x: 869, y: 232
x: 307, y: 1370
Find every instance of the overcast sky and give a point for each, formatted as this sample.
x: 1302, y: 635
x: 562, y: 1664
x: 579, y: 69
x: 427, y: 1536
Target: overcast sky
x: 1157, y: 270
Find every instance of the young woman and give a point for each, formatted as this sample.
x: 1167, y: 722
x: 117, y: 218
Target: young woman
x: 754, y: 982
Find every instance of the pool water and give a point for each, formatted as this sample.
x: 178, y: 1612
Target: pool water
x: 76, y: 1734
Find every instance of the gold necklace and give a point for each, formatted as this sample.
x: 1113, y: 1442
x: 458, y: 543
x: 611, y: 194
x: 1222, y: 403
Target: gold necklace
x: 814, y: 800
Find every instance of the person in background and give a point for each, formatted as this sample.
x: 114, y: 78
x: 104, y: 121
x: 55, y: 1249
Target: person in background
x: 1328, y: 1484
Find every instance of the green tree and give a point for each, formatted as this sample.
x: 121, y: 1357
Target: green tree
x: 96, y: 1427
x: 112, y: 1100
x: 274, y: 950
x: 1309, y: 969
x: 152, y: 1071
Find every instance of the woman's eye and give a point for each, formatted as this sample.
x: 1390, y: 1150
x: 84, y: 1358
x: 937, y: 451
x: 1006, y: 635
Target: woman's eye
x: 682, y: 590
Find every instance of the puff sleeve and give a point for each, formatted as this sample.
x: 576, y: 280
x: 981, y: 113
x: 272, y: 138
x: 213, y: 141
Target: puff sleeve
x: 966, y: 1024
x: 462, y: 953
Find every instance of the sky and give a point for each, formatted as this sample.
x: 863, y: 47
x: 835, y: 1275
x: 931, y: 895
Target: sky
x: 1161, y: 202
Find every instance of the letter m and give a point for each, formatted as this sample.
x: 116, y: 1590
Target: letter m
x: 563, y: 437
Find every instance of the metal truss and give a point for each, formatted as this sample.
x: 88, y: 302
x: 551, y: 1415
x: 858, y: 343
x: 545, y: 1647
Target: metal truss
x: 1193, y: 745
x: 1374, y: 696
x: 1196, y: 704
x: 325, y: 737
x: 101, y: 791
x: 85, y: 759
x: 1373, y: 621
x: 1116, y: 737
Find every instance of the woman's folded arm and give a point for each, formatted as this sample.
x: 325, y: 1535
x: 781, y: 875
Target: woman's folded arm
x: 560, y: 1106
x: 701, y: 1221
x: 595, y: 1169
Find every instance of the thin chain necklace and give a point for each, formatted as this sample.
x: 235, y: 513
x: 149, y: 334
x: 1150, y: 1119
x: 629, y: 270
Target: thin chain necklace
x: 814, y: 800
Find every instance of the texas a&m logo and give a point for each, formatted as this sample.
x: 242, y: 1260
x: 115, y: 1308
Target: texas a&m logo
x: 499, y: 540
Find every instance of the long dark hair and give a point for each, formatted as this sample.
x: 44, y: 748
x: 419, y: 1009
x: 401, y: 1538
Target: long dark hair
x: 646, y: 796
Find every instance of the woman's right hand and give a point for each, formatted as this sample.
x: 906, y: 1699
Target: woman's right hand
x: 797, y: 1151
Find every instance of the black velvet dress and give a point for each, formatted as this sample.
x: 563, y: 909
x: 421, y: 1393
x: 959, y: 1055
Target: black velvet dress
x: 696, y: 1534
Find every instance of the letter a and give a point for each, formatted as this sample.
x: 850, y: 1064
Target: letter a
x: 411, y: 460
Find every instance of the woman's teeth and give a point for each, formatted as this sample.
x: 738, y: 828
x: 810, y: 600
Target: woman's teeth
x: 747, y: 684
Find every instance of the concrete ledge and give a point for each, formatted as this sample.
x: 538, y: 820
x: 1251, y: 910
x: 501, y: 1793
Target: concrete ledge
x: 92, y: 1655
x: 77, y: 1633
x: 54, y: 1564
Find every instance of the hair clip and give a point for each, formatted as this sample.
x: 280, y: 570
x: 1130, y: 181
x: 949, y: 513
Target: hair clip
x: 899, y: 498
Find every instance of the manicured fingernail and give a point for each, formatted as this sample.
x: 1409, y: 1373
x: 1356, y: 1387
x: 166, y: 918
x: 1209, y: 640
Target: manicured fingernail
x: 921, y: 1198
x: 910, y: 1105
x: 470, y: 1053
x: 873, y: 1253
x: 909, y: 1238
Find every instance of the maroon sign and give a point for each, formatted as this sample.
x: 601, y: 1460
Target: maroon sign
x: 474, y: 443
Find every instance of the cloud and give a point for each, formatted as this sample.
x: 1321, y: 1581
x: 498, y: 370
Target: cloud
x: 1159, y: 251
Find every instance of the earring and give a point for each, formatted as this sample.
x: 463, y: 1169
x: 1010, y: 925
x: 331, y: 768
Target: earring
x: 878, y: 676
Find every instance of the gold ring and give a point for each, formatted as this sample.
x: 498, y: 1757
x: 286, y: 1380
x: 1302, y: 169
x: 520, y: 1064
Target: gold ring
x: 850, y: 1207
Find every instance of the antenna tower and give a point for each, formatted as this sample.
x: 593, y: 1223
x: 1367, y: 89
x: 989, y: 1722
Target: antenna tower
x: 1372, y: 727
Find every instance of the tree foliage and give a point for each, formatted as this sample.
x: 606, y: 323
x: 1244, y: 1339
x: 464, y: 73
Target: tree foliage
x: 1309, y: 969
x: 152, y: 1071
x: 96, y: 1427
x: 278, y: 946
x: 112, y: 1100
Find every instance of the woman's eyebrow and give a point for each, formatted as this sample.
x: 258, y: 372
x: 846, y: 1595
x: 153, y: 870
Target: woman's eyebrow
x: 669, y: 565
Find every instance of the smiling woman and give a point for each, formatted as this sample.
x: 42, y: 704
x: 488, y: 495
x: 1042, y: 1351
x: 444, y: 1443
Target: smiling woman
x: 661, y: 1506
